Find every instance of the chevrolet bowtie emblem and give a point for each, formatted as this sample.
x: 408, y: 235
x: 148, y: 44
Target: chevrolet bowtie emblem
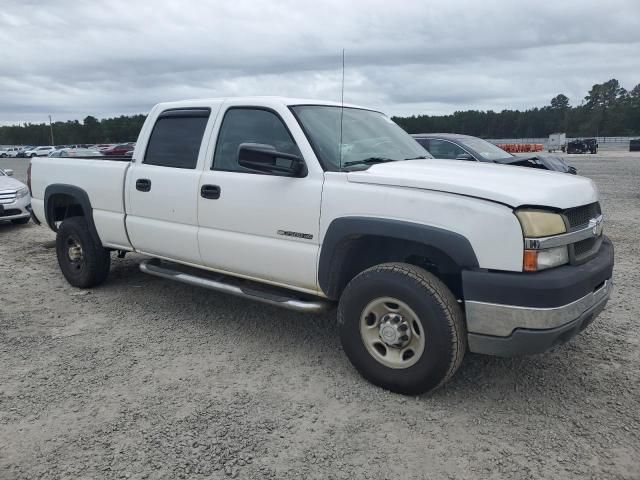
x: 596, y: 226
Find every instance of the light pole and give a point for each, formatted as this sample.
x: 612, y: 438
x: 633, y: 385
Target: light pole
x: 51, y: 129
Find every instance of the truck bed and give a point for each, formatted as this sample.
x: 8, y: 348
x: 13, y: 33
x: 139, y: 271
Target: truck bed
x: 102, y: 178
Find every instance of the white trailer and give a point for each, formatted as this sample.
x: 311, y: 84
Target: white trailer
x: 557, y: 141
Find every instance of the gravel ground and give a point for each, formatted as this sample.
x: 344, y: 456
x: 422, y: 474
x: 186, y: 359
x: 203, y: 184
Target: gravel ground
x: 144, y: 378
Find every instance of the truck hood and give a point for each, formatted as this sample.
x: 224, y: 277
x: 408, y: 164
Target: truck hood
x: 513, y: 186
x: 10, y: 184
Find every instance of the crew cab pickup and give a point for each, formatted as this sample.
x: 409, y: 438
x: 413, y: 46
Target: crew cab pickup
x: 308, y: 205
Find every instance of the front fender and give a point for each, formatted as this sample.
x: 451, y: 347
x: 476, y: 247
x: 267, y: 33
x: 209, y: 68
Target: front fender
x: 341, y: 231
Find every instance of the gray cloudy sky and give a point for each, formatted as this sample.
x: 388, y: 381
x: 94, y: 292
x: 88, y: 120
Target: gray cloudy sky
x: 72, y: 58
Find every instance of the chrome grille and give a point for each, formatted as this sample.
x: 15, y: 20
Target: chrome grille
x: 578, y: 217
x: 583, y: 250
x: 7, y: 197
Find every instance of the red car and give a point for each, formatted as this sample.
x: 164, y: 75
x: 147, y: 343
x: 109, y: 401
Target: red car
x: 119, y: 149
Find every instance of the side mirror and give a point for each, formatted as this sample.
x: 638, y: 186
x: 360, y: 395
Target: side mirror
x: 8, y: 172
x: 264, y: 158
x: 465, y: 156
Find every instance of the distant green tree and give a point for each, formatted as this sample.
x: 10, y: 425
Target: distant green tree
x: 560, y: 102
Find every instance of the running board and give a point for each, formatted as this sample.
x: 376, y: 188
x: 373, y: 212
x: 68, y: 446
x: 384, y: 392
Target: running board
x: 227, y: 284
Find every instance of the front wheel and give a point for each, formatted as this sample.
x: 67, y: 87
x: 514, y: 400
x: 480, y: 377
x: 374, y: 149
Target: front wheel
x: 83, y: 261
x: 401, y: 328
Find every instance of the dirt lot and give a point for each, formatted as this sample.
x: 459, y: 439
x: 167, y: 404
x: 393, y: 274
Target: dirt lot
x: 143, y: 378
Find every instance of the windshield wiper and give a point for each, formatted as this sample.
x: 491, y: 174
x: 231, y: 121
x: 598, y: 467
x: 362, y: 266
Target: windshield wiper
x: 368, y: 161
x: 417, y: 158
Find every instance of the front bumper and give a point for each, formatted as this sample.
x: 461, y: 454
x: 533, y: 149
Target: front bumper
x: 523, y: 313
x: 20, y: 208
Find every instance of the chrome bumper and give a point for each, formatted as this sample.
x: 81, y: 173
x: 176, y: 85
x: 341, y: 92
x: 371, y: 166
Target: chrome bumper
x: 501, y: 320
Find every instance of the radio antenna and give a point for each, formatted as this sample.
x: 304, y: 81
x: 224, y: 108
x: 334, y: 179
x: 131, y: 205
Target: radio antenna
x: 341, y: 109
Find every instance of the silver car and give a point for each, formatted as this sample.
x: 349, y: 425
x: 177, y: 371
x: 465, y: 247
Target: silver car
x: 15, y: 200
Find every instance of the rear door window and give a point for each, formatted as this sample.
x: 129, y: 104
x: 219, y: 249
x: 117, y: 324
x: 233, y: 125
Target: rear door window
x: 176, y: 138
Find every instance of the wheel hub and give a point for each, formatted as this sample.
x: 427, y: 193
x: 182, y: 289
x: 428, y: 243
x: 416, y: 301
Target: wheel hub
x: 74, y: 251
x: 394, y: 330
x: 392, y: 333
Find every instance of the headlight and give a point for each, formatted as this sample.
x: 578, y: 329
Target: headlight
x: 540, y: 223
x: 537, y: 224
x: 22, y: 192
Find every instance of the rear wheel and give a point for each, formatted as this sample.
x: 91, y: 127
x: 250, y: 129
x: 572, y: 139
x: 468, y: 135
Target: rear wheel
x: 401, y: 328
x: 84, y: 263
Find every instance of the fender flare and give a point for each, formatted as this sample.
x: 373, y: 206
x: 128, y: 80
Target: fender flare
x: 342, y: 231
x: 80, y: 196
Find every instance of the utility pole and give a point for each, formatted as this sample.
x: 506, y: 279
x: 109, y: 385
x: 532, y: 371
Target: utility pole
x: 51, y: 129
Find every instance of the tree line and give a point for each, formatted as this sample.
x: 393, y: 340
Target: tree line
x: 91, y: 130
x: 607, y: 110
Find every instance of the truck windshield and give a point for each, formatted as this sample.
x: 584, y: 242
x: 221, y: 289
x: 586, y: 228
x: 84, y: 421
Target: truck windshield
x: 368, y: 137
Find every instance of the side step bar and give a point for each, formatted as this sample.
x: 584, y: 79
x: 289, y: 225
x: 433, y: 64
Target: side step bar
x: 238, y: 287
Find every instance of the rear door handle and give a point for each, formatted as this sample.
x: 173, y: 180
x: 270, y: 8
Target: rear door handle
x: 143, y: 184
x: 210, y: 191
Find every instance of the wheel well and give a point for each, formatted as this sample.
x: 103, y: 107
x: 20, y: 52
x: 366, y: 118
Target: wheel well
x: 362, y: 252
x: 61, y: 206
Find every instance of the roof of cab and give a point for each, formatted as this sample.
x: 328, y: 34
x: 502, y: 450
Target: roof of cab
x: 257, y: 100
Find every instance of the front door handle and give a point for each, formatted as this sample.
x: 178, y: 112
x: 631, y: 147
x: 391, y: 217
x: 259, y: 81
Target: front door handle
x: 143, y: 184
x: 210, y: 191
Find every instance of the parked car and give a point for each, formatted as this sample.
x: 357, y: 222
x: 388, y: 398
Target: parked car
x: 75, y: 152
x: 423, y: 258
x: 119, y: 149
x: 9, y: 152
x: 583, y: 145
x: 39, y: 151
x: 13, y: 153
x: 22, y: 153
x: 455, y: 146
x: 15, y: 200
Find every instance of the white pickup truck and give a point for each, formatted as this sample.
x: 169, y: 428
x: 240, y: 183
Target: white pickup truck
x: 308, y: 204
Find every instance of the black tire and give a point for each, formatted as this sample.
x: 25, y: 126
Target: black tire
x: 93, y: 267
x: 21, y: 221
x: 437, y: 310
